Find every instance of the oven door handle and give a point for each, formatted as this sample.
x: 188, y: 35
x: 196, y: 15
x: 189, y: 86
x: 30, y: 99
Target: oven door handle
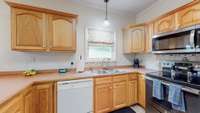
x: 184, y: 88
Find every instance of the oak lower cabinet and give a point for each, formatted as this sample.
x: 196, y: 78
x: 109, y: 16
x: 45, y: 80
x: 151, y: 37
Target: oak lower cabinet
x: 133, y: 89
x: 112, y: 93
x: 44, y: 98
x: 16, y: 105
x: 29, y: 100
x: 142, y: 91
x: 103, y: 98
x: 120, y: 91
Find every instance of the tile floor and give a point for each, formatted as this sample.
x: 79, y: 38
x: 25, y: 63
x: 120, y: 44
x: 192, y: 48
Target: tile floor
x: 138, y: 109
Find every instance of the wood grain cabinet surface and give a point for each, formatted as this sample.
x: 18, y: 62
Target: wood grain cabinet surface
x: 134, y: 39
x: 149, y: 30
x: 165, y: 24
x: 16, y: 105
x: 44, y: 98
x: 62, y: 33
x: 142, y: 91
x: 29, y: 100
x: 112, y: 93
x: 28, y: 30
x: 120, y: 92
x: 103, y: 98
x: 188, y: 16
x: 39, y: 29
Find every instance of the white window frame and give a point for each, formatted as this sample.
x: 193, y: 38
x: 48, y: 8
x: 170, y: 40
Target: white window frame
x: 87, y: 49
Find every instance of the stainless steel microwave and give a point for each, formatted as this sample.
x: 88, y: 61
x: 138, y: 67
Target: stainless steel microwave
x: 186, y: 40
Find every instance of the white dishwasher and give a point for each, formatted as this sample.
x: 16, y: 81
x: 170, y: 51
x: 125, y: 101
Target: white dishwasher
x: 75, y: 96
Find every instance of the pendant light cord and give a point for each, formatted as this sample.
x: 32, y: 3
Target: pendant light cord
x: 106, y: 1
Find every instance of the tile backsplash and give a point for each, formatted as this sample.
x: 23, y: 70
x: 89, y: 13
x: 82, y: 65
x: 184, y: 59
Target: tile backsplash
x: 152, y: 61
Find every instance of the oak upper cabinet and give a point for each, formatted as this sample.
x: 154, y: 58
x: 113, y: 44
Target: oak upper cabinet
x: 44, y: 98
x: 134, y: 39
x: 138, y: 38
x: 39, y: 29
x: 62, y: 33
x: 29, y: 100
x: 103, y: 95
x: 133, y: 89
x: 28, y: 30
x: 164, y: 24
x: 142, y: 91
x: 120, y: 91
x: 149, y: 35
x: 127, y: 41
x: 188, y: 16
x: 16, y: 105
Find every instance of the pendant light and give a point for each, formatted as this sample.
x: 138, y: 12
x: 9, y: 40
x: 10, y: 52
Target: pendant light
x: 106, y: 22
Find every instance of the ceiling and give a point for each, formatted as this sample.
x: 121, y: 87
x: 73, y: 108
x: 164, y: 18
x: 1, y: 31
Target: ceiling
x: 119, y: 6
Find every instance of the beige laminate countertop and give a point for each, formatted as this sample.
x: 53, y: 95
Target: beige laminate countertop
x: 12, y: 85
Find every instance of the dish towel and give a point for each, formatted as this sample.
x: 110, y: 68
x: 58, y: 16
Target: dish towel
x: 176, y: 97
x: 158, y: 89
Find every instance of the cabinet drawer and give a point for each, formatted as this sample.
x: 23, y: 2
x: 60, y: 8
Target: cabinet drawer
x: 120, y: 78
x: 133, y: 77
x: 103, y: 80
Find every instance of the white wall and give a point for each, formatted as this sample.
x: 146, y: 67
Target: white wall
x: 10, y: 60
x: 158, y: 8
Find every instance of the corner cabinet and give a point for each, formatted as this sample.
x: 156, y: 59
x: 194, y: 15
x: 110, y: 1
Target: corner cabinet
x: 62, y: 33
x: 39, y: 29
x: 16, y: 105
x: 134, y: 39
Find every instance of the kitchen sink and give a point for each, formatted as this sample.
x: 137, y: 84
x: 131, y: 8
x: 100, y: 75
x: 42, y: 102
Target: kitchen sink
x: 108, y: 71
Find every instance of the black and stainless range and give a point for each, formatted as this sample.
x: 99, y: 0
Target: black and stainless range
x: 186, y: 74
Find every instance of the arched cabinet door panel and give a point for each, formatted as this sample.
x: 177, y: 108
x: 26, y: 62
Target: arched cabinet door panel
x: 28, y: 30
x: 165, y: 24
x: 62, y: 33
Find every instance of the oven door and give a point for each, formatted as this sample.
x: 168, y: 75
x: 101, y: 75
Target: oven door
x: 192, y: 101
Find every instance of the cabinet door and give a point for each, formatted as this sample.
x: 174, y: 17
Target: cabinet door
x: 164, y: 24
x: 142, y: 91
x: 132, y: 92
x: 103, y: 98
x: 29, y: 102
x: 119, y: 94
x: 28, y: 30
x: 14, y: 106
x: 149, y: 34
x: 62, y: 33
x: 196, y: 15
x: 44, y: 98
x: 138, y: 39
x: 127, y: 41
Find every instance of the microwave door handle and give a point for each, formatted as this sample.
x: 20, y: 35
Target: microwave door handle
x: 192, y: 35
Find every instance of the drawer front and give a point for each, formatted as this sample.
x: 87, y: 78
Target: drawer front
x: 103, y: 80
x: 133, y: 77
x: 120, y: 78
